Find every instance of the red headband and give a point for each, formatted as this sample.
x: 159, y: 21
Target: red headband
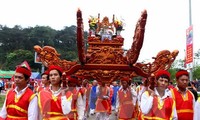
x: 23, y: 71
x: 73, y: 80
x: 45, y: 72
x: 181, y: 72
x: 54, y: 67
x: 162, y: 72
x: 125, y: 79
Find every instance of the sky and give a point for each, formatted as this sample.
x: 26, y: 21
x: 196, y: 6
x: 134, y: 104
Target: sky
x: 165, y: 29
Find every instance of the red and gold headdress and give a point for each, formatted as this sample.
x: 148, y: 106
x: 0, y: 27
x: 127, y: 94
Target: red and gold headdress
x: 23, y: 70
x: 162, y: 72
x: 54, y: 67
x: 181, y: 72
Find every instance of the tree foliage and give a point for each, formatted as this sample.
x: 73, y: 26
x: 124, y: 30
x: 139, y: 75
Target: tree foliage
x: 179, y: 64
x: 16, y: 44
x: 17, y: 57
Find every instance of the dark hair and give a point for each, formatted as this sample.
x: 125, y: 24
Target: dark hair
x: 164, y: 76
x: 45, y: 74
x: 189, y: 84
x: 73, y: 76
x: 26, y: 77
x: 59, y: 72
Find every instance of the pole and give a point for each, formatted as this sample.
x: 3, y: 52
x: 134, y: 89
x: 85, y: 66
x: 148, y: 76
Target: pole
x: 190, y: 13
x: 190, y: 23
x: 42, y: 70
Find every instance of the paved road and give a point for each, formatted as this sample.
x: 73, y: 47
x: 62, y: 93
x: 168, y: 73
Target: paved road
x: 112, y: 117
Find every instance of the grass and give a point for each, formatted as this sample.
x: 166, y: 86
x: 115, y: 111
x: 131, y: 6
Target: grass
x: 2, y: 98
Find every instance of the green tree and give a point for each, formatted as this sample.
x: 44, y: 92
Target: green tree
x: 18, y: 38
x: 17, y: 57
x: 10, y: 39
x: 196, y: 73
x: 41, y: 35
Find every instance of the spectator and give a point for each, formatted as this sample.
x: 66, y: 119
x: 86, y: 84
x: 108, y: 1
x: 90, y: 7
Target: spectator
x: 1, y: 85
x: 193, y: 90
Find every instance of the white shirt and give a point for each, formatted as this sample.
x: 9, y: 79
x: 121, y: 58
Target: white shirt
x: 84, y: 97
x: 80, y: 106
x: 147, y: 102
x: 197, y: 110
x: 139, y: 95
x: 32, y: 108
x: 134, y: 97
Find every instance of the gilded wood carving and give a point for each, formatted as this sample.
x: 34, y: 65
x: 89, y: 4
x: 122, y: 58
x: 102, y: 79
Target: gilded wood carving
x: 104, y: 59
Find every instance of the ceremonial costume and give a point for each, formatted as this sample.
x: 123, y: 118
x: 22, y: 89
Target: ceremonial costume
x: 156, y: 107
x: 126, y: 101
x: 53, y: 105
x: 157, y: 104
x: 21, y: 102
x: 20, y: 105
x: 183, y: 97
x: 77, y: 105
x: 45, y: 82
x: 139, y: 90
x: 184, y: 104
x: 85, y: 92
x: 40, y: 88
x: 103, y: 103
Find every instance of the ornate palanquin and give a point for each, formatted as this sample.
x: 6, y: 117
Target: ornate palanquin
x: 105, y: 60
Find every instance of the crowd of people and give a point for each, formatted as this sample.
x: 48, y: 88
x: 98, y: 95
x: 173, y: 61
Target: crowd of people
x: 61, y: 97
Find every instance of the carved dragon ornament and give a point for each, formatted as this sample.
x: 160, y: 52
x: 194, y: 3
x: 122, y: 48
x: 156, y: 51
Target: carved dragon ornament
x: 106, y: 60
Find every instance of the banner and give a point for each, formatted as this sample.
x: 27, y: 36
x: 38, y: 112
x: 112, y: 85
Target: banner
x: 25, y: 64
x: 189, y: 47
